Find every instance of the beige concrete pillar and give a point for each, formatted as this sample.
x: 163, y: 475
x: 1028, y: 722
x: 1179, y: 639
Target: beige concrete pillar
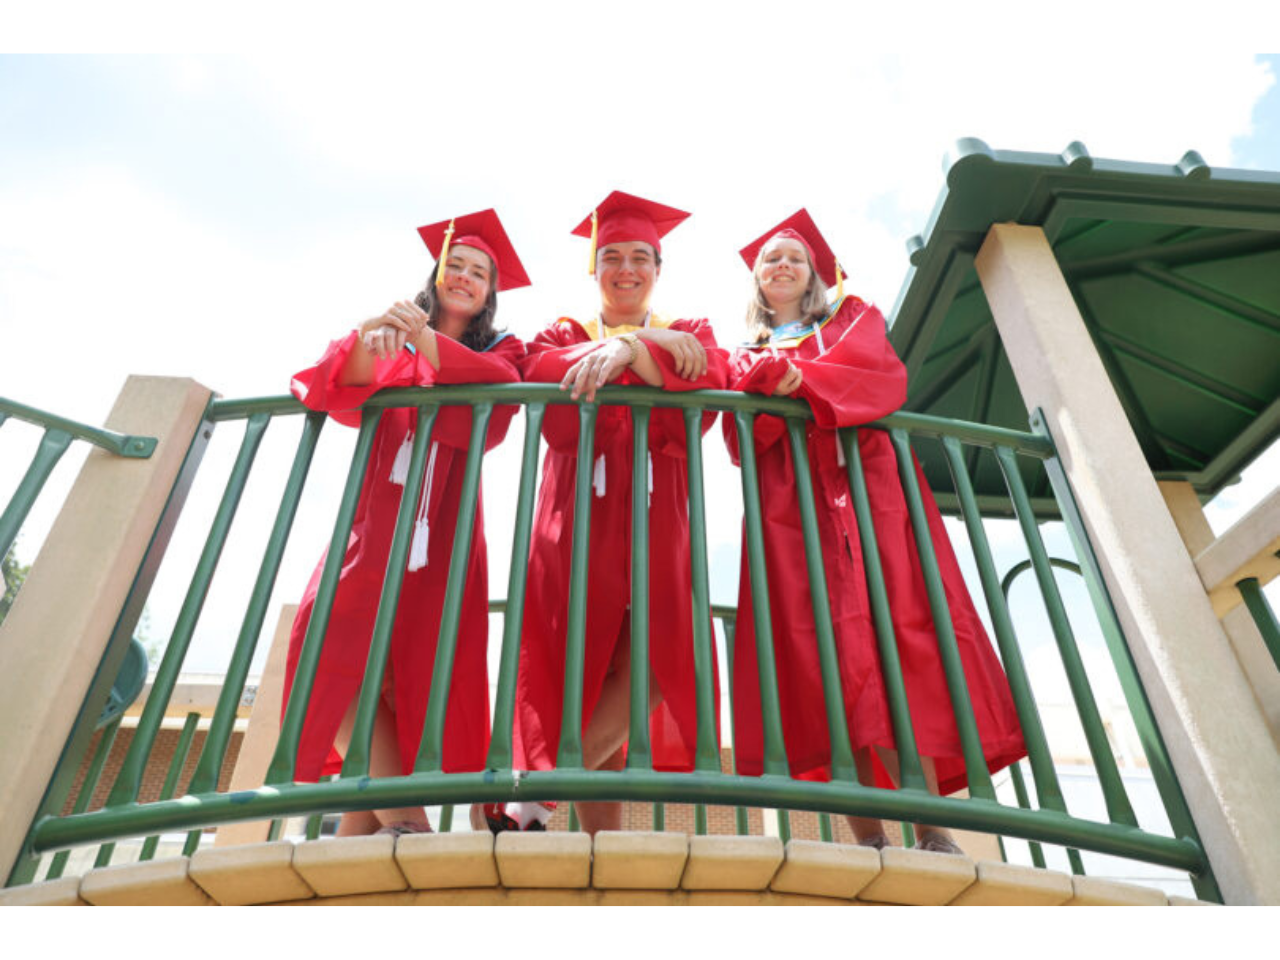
x: 1237, y: 623
x: 260, y: 738
x: 54, y: 636
x: 1217, y: 736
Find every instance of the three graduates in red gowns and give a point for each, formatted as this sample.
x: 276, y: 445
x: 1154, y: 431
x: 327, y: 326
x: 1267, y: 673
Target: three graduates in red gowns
x: 836, y: 358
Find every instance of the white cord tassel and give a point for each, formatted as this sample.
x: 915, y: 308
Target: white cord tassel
x: 839, y: 451
x: 400, y: 468
x: 421, y: 527
x: 649, y: 497
x: 597, y: 477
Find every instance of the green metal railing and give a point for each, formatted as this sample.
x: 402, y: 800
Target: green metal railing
x: 58, y: 434
x: 1256, y: 603
x: 706, y: 784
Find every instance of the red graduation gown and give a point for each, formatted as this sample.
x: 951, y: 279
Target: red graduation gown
x: 407, y: 682
x: 855, y: 379
x: 539, y: 699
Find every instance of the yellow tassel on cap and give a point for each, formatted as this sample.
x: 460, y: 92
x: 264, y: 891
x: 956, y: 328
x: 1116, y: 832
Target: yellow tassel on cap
x: 444, y: 254
x: 595, y: 229
x: 839, y: 282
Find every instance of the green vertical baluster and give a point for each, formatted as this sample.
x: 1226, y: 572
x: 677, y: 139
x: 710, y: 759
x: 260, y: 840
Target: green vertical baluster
x: 573, y: 818
x: 356, y: 763
x: 1024, y: 801
x: 315, y: 824
x: 908, y: 835
x: 1048, y: 791
x: 1262, y: 614
x: 274, y: 831
x: 500, y: 755
x: 707, y: 756
x: 1113, y: 791
x: 741, y: 823
x: 910, y: 770
x: 570, y: 751
x: 639, y: 754
x: 214, y: 752
x: 659, y: 817
x: 431, y: 752
x: 446, y: 818
x: 285, y: 757
x: 129, y: 781
x: 824, y: 828
x: 971, y: 746
x: 842, y: 767
x: 775, y: 755
x: 700, y: 819
x: 171, y: 785
x: 87, y: 789
x: 53, y: 445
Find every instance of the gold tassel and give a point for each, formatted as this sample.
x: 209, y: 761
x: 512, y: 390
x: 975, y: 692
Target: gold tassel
x: 444, y: 253
x: 839, y: 282
x: 595, y: 229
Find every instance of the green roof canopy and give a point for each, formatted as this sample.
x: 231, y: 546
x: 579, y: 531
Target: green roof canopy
x: 1175, y: 269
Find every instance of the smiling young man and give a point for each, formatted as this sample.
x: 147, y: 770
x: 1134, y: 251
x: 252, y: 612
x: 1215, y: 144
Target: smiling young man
x: 625, y: 343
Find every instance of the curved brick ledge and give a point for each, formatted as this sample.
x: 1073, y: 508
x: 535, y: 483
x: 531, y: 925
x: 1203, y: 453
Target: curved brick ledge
x: 567, y: 868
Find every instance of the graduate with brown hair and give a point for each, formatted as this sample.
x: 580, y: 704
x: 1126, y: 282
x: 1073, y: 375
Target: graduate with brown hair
x: 625, y: 343
x: 446, y: 335
x: 838, y: 359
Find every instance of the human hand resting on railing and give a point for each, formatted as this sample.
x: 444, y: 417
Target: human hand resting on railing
x: 602, y: 365
x: 790, y: 381
x: 689, y: 353
x: 385, y: 335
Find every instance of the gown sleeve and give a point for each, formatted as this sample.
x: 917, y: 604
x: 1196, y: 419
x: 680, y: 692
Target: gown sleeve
x: 859, y: 378
x: 667, y: 431
x: 754, y: 371
x: 318, y: 386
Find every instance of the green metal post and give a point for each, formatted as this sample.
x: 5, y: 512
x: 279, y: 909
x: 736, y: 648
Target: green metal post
x: 1024, y: 801
x: 170, y: 786
x: 775, y: 755
x: 910, y: 770
x: 639, y: 753
x: 842, y: 766
x: 824, y: 828
x: 356, y: 762
x: 707, y: 756
x: 284, y: 759
x: 700, y: 819
x: 431, y: 751
x: 446, y: 818
x: 948, y: 652
x: 500, y: 752
x: 659, y: 817
x: 1262, y: 614
x: 87, y: 789
x: 784, y: 826
x: 53, y: 445
x: 570, y: 750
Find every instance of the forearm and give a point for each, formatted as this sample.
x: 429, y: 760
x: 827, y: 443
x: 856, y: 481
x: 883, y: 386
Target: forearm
x: 358, y: 368
x: 425, y: 344
x: 645, y: 367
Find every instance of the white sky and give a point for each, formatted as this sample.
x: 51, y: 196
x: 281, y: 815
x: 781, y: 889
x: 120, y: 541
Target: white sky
x: 222, y: 216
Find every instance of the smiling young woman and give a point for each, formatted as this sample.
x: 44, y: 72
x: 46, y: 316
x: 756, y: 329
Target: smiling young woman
x: 444, y: 335
x: 838, y: 359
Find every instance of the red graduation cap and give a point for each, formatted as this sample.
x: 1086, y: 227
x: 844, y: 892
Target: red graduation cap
x: 483, y: 231
x: 621, y: 217
x: 800, y: 226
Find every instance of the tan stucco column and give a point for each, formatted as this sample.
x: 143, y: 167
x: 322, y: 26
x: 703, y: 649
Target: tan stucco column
x: 1217, y: 736
x: 1237, y: 623
x: 57, y: 630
